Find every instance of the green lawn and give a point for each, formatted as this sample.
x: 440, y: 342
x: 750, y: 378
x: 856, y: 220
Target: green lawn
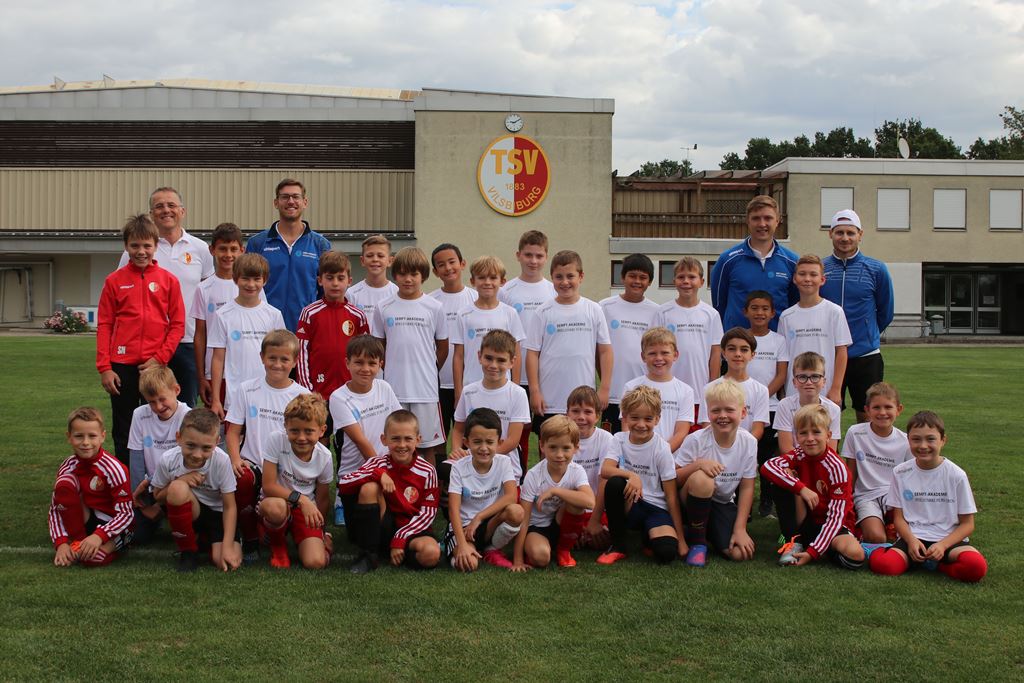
x: 140, y: 620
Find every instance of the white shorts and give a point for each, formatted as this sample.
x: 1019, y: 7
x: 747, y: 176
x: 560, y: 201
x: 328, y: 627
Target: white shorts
x: 429, y: 416
x: 870, y: 507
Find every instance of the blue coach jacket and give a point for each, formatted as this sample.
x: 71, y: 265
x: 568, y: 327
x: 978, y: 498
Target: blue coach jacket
x: 738, y: 272
x: 862, y: 286
x: 292, y: 283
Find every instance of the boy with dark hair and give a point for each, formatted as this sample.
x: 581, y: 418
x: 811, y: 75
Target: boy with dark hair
x: 739, y: 347
x: 375, y: 257
x: 453, y: 296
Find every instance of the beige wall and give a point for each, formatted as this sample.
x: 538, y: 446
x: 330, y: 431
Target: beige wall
x: 922, y: 243
x: 575, y: 214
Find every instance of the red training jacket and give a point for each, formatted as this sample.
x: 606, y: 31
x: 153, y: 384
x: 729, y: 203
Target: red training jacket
x: 103, y: 483
x: 324, y: 330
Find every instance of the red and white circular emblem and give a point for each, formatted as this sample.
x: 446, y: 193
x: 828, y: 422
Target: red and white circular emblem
x: 514, y: 175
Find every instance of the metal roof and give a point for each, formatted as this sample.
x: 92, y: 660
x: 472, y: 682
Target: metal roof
x: 108, y: 83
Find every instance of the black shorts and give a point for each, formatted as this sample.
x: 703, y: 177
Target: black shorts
x: 388, y: 527
x: 768, y: 444
x: 644, y: 515
x: 610, y: 420
x: 209, y: 525
x: 121, y: 541
x: 551, y: 532
x: 446, y: 398
x: 810, y: 530
x: 479, y: 539
x: 720, y: 524
x: 861, y: 373
x: 538, y: 420
x: 901, y: 545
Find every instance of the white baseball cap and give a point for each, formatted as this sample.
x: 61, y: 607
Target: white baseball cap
x: 846, y: 217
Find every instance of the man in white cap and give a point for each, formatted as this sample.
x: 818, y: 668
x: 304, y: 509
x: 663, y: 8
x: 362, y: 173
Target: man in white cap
x: 862, y: 286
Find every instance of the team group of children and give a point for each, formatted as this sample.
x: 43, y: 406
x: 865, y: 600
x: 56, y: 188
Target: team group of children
x: 666, y: 444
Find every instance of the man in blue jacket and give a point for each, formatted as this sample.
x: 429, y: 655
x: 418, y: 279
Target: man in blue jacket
x: 293, y: 251
x: 862, y: 286
x: 758, y: 262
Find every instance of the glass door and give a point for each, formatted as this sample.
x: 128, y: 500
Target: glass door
x: 961, y: 303
x: 988, y: 298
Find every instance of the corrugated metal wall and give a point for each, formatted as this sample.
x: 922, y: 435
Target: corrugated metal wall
x: 100, y: 199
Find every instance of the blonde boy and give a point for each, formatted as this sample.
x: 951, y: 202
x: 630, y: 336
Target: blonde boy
x: 816, y: 324
x: 808, y: 379
x: 375, y: 257
x: 659, y: 354
x: 454, y: 297
x: 739, y: 347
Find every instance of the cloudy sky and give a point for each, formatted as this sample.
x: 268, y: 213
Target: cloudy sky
x: 708, y: 72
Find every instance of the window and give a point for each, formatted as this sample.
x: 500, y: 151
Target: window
x: 1004, y: 209
x: 834, y: 199
x: 894, y: 209
x: 616, y: 273
x: 666, y: 275
x: 949, y: 210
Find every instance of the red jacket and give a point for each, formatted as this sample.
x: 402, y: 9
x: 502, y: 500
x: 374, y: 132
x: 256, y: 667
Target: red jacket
x: 103, y: 482
x: 141, y: 316
x: 324, y: 330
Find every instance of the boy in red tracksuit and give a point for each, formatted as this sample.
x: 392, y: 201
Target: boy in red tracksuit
x: 141, y: 319
x: 408, y: 485
x: 91, y: 513
x: 814, y: 498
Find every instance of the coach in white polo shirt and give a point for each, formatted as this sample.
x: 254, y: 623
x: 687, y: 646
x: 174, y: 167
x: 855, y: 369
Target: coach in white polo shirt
x: 190, y: 260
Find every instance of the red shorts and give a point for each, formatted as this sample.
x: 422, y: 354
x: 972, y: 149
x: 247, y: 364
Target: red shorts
x: 300, y: 532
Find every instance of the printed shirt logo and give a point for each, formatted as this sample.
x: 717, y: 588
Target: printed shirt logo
x: 97, y: 483
x: 671, y: 327
x: 356, y: 413
x: 153, y: 287
x: 236, y: 335
x: 253, y: 411
x: 614, y: 324
x: 908, y: 494
x: 348, y: 327
x: 211, y: 307
x: 518, y: 306
x: 860, y: 456
x: 390, y: 322
x: 471, y: 333
x: 187, y: 258
x: 147, y: 442
x: 411, y: 494
x: 121, y: 350
x: 551, y: 329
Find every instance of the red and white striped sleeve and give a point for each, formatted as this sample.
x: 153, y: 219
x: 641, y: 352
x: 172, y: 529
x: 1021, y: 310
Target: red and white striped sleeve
x: 120, y: 497
x: 777, y: 470
x: 368, y: 471
x: 58, y: 534
x: 424, y: 519
x: 304, y: 331
x: 839, y: 501
x: 359, y: 316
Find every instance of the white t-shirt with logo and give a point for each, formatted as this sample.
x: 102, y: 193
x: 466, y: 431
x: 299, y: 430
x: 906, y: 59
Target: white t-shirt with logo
x: 366, y: 297
x: 651, y: 461
x: 771, y: 350
x: 410, y: 328
x: 819, y: 328
x: 452, y: 304
x: 526, y: 298
x: 677, y: 401
x: 218, y: 477
x: 591, y: 455
x: 260, y: 408
x: 567, y: 336
x: 876, y: 456
x: 154, y: 436
x: 788, y: 407
x: 757, y: 402
x: 479, y: 490
x: 697, y: 329
x: 627, y: 323
x: 538, y: 480
x: 931, y: 500
x: 472, y: 324
x: 295, y: 474
x: 370, y: 411
x: 509, y: 402
x: 240, y: 330
x: 211, y: 295
x: 739, y: 460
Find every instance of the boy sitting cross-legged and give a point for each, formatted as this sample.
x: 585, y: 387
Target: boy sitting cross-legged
x: 482, y: 498
x: 297, y: 476
x: 396, y: 496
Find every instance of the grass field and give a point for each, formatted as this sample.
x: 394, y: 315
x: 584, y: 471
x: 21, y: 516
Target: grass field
x: 139, y: 619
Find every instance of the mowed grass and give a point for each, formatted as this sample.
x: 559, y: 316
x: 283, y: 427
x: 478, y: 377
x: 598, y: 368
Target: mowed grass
x: 138, y: 619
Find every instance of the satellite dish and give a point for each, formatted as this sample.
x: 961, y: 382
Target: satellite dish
x: 904, y: 148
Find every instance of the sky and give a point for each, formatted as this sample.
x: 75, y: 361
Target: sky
x: 710, y: 73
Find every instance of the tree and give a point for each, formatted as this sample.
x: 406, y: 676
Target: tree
x: 1006, y: 147
x: 666, y: 168
x: 762, y: 152
x: 925, y: 143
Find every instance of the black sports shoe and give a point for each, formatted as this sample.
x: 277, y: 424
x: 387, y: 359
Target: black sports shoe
x: 364, y: 564
x: 766, y: 508
x: 250, y: 552
x: 188, y: 562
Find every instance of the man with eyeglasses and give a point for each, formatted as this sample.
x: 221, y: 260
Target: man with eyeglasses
x: 293, y: 251
x: 189, y: 259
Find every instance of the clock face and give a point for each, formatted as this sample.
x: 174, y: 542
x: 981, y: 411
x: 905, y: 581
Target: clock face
x: 514, y: 123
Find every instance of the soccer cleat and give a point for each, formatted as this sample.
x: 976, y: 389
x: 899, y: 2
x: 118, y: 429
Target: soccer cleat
x: 872, y: 547
x: 565, y: 559
x: 788, y: 552
x: 766, y: 509
x: 364, y: 564
x: 610, y: 556
x: 188, y: 562
x: 279, y: 557
x: 697, y: 555
x: 497, y: 558
x: 250, y: 552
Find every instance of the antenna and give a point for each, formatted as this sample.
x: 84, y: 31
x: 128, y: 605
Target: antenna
x: 904, y: 148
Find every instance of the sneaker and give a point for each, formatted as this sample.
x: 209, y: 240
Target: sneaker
x: 565, y: 559
x: 496, y: 558
x: 697, y: 555
x: 766, y: 509
x: 188, y: 562
x: 279, y: 557
x: 250, y: 552
x: 872, y: 547
x: 788, y: 552
x: 339, y: 514
x: 364, y: 564
x: 610, y: 556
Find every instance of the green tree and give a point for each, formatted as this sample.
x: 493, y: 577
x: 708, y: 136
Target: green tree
x: 925, y: 143
x: 762, y: 152
x: 1006, y: 147
x: 666, y: 168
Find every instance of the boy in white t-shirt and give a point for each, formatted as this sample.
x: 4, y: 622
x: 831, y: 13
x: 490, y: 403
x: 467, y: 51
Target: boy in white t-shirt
x: 640, y: 490
x: 659, y: 353
x: 297, y: 476
x: 816, y: 324
x: 769, y: 368
x: 871, y: 450
x: 526, y: 294
x: 453, y: 297
x: 237, y: 334
x: 375, y: 257
x: 697, y: 326
x: 482, y: 507
x: 628, y: 315
x: 415, y: 335
x: 154, y: 431
x: 716, y: 469
x: 496, y: 392
x: 562, y: 340
x: 739, y: 347
x: 257, y: 407
x: 487, y: 275
x: 808, y: 379
x: 359, y: 409
x: 195, y: 484
x: 554, y: 487
x: 591, y: 529
x: 933, y: 509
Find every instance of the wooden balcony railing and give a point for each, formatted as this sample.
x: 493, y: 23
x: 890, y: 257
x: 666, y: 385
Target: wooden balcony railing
x: 685, y: 226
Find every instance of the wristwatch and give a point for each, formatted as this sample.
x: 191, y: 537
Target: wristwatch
x: 293, y: 499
